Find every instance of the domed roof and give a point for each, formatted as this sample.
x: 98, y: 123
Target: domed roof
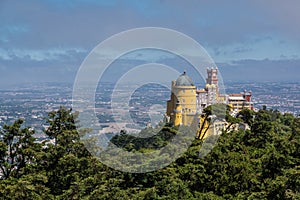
x: 184, y: 80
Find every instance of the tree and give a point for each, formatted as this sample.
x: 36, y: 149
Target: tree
x: 205, y: 122
x: 247, y: 116
x: 66, y: 159
x: 211, y: 114
x: 231, y: 120
x: 260, y: 163
x: 59, y: 121
x: 31, y: 186
x: 17, y: 149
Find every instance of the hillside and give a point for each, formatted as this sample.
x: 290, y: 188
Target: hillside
x: 260, y: 163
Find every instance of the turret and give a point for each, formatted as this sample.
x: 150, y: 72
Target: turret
x: 178, y: 114
x: 212, y: 76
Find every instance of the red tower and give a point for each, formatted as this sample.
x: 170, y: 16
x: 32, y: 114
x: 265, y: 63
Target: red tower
x: 212, y: 76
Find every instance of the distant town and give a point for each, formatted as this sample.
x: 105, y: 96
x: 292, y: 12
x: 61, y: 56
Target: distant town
x: 32, y: 102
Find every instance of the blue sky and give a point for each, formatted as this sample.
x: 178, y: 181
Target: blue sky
x: 48, y: 40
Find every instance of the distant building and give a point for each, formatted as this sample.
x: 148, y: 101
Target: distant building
x: 239, y: 101
x: 187, y: 103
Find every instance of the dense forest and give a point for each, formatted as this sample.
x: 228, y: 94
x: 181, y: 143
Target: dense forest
x: 260, y: 163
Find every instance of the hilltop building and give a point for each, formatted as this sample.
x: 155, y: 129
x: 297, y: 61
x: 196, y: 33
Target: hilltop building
x: 182, y: 107
x: 210, y: 94
x: 239, y: 101
x: 187, y: 102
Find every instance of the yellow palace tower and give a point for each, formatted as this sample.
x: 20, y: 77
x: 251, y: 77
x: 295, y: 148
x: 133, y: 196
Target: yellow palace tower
x: 182, y: 107
x: 186, y: 105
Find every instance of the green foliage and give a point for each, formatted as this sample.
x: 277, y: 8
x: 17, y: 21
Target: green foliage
x: 17, y: 150
x: 247, y: 116
x: 31, y: 186
x: 260, y: 163
x: 151, y: 139
x: 60, y: 121
x: 65, y: 161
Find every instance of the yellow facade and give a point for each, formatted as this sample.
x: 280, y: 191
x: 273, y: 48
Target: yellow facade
x: 203, y: 130
x: 186, y: 106
x: 178, y: 115
x: 184, y: 97
x: 182, y: 106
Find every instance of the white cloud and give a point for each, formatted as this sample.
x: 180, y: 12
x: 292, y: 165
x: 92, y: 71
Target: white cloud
x: 39, y: 54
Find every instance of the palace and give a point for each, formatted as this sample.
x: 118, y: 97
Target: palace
x: 187, y: 102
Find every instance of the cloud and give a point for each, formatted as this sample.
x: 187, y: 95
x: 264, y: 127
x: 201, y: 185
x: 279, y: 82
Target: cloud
x: 261, y: 70
x: 81, y: 23
x: 43, y: 54
x: 56, y: 35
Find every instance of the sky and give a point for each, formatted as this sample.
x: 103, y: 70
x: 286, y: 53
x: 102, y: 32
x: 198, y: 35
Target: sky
x: 47, y: 41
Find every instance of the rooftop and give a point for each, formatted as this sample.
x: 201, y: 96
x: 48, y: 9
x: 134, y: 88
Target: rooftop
x: 184, y: 80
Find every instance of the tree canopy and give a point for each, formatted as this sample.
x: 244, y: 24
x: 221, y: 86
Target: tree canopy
x: 260, y: 163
